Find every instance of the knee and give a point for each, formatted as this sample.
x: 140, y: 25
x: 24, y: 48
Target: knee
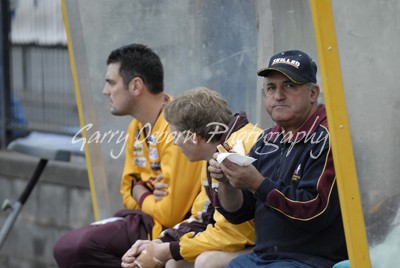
x: 59, y: 246
x: 201, y: 260
x: 209, y: 259
x: 178, y: 264
x: 68, y: 247
x: 59, y: 251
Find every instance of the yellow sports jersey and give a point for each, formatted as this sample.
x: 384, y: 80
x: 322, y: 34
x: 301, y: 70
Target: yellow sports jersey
x: 150, y: 151
x: 219, y: 233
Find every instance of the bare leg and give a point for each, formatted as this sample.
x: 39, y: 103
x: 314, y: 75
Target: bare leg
x: 179, y: 264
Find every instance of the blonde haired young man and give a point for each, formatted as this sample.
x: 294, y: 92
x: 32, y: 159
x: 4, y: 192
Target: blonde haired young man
x: 200, y: 119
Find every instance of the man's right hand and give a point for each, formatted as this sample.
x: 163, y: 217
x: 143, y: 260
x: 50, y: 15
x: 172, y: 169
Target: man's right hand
x: 128, y: 260
x: 160, y: 188
x: 215, y: 170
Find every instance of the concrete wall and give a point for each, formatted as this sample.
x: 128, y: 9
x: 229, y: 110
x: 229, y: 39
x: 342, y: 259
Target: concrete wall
x: 192, y: 39
x: 201, y: 43
x: 60, y: 201
x: 368, y: 38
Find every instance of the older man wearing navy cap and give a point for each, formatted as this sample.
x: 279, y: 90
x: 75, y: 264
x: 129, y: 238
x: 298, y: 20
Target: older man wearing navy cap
x: 290, y: 190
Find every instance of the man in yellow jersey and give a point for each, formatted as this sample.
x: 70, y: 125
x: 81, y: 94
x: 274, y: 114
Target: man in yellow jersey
x: 158, y: 184
x: 200, y: 120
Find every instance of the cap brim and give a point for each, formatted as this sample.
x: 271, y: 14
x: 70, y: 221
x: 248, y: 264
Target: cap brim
x: 293, y: 77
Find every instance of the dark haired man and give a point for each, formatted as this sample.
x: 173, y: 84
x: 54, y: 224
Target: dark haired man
x: 158, y: 183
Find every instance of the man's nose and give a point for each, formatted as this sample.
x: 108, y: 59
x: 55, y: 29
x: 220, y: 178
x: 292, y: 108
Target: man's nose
x: 105, y: 90
x: 279, y: 93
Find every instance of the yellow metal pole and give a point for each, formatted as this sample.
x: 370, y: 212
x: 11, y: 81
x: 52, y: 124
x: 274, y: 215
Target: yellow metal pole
x: 80, y: 110
x: 328, y: 56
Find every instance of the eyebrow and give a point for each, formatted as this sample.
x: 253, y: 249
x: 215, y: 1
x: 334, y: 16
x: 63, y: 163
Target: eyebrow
x: 110, y: 81
x: 288, y: 81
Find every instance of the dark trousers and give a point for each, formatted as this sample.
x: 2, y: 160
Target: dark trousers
x: 102, y: 245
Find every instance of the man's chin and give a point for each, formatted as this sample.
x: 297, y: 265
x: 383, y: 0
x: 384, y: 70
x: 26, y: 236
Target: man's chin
x: 281, y: 120
x: 279, y: 117
x: 192, y: 159
x: 116, y: 113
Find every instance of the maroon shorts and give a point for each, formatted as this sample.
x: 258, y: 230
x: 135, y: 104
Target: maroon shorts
x: 102, y: 245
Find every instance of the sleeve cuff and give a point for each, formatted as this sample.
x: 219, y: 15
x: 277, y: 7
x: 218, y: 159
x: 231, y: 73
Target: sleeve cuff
x: 167, y: 239
x: 263, y: 190
x: 143, y: 197
x: 238, y: 216
x: 175, y: 249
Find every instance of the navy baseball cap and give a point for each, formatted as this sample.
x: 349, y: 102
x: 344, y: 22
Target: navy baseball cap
x: 294, y: 64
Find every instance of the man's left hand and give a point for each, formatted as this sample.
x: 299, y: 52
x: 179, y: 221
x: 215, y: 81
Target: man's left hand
x: 242, y: 177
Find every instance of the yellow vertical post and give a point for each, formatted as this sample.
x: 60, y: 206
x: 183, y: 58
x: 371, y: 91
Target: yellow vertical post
x: 80, y: 110
x: 328, y: 56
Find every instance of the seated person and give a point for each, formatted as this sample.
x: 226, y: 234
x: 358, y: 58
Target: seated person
x: 290, y: 191
x: 158, y: 184
x: 201, y: 120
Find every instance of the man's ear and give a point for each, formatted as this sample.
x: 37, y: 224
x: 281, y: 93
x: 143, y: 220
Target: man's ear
x: 314, y: 93
x: 136, y: 86
x: 197, y: 139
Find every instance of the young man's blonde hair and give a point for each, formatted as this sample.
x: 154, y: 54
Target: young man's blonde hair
x: 201, y: 111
